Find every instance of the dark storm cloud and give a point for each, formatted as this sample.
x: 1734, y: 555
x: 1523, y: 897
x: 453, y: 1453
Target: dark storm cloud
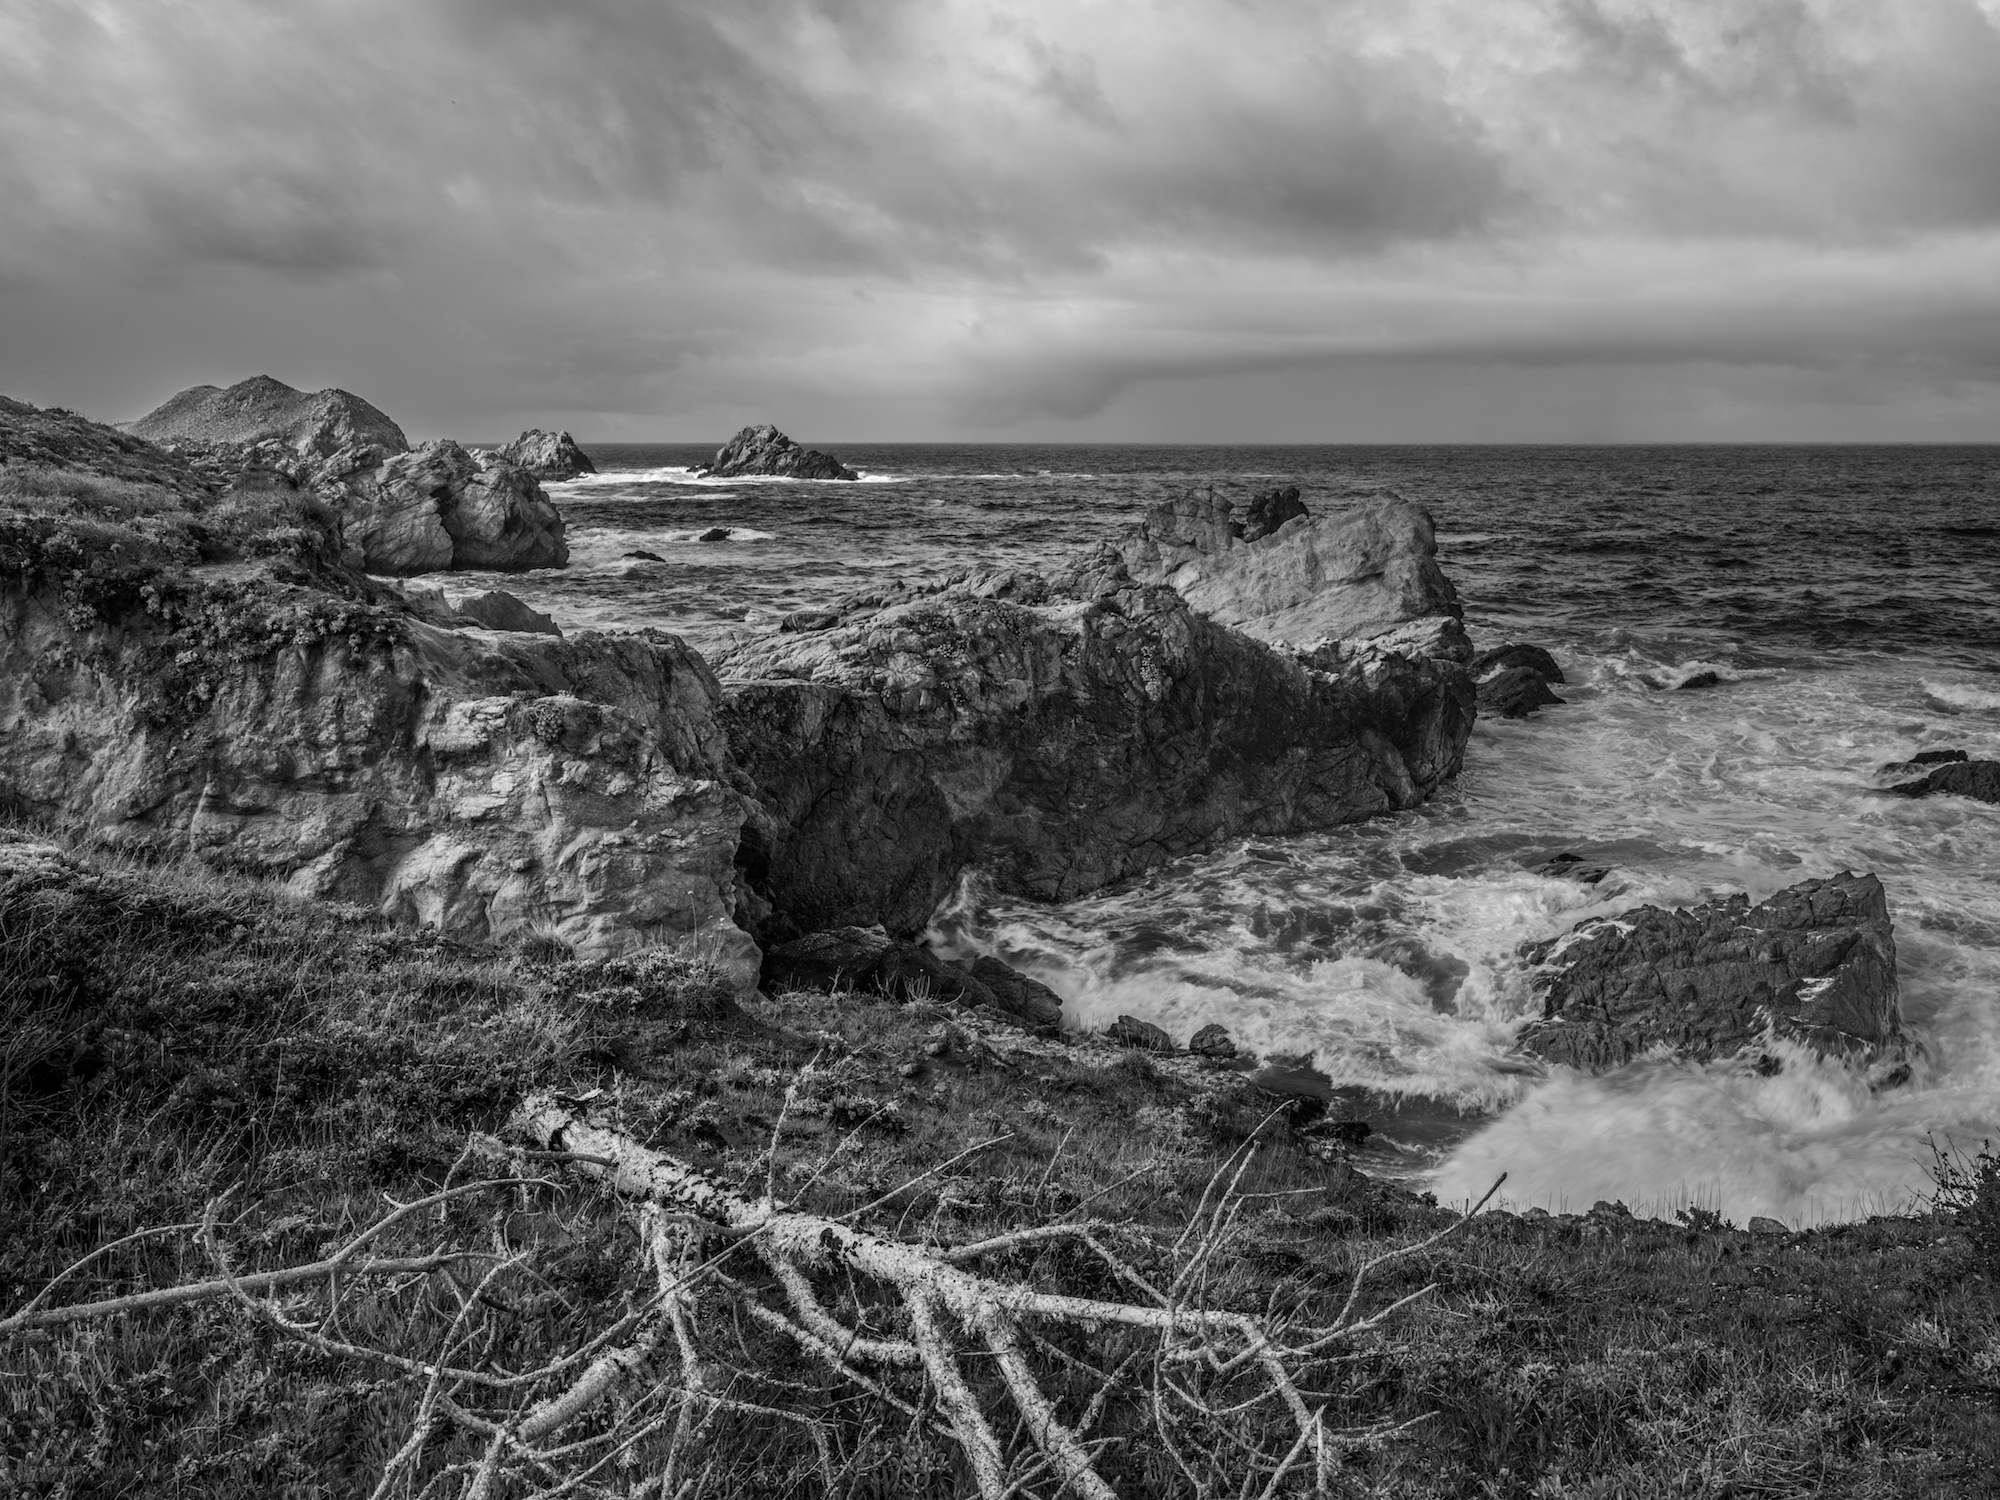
x: 957, y: 211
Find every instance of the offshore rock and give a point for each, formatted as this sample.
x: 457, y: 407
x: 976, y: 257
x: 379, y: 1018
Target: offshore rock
x: 1344, y: 574
x: 438, y: 507
x: 486, y: 786
x: 1922, y: 761
x: 1978, y: 779
x: 1514, y: 680
x: 1058, y: 747
x: 765, y: 450
x: 1815, y: 964
x: 547, y: 455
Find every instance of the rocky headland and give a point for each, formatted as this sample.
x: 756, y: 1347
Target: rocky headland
x: 547, y: 455
x: 765, y: 450
x: 402, y: 510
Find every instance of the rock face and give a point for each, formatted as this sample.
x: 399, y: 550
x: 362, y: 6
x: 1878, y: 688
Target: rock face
x: 1058, y: 745
x: 438, y: 507
x: 1514, y: 680
x: 1345, y: 574
x: 1816, y: 961
x: 765, y: 450
x: 1979, y: 779
x: 316, y: 425
x: 485, y: 786
x: 547, y: 455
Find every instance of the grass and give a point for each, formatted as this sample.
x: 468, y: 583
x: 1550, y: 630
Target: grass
x: 168, y: 1033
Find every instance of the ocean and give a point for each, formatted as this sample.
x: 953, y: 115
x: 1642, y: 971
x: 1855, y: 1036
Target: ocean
x: 1847, y: 599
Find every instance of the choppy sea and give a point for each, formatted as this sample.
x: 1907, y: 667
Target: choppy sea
x: 1848, y: 599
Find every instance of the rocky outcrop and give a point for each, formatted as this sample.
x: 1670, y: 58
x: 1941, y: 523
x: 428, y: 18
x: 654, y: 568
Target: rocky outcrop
x: 867, y: 960
x: 1058, y: 745
x: 1513, y: 681
x: 488, y: 786
x: 1978, y: 779
x: 1815, y: 964
x: 1269, y: 510
x: 1922, y: 761
x: 439, y: 507
x: 497, y: 609
x: 765, y: 450
x: 547, y: 455
x: 1355, y: 572
x: 319, y: 425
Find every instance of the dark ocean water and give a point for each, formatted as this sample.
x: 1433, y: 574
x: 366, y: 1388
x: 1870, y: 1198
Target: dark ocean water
x: 1848, y: 599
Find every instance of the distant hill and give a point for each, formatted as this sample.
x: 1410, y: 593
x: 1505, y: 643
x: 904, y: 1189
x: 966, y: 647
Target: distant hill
x: 258, y: 409
x: 33, y: 436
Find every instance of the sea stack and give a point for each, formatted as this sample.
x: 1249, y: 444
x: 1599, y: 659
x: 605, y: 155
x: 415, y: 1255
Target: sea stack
x: 765, y: 450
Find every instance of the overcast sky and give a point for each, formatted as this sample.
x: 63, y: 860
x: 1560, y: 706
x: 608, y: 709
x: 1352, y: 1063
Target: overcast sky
x: 1186, y: 220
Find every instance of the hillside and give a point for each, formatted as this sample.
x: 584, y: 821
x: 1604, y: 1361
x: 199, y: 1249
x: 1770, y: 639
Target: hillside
x: 260, y: 409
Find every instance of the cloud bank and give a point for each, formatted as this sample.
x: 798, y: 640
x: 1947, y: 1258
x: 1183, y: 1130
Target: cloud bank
x: 1206, y: 219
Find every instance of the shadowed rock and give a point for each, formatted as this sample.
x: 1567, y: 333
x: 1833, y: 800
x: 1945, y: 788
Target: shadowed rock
x: 1978, y: 779
x: 1130, y: 1031
x: 1816, y: 963
x: 1269, y: 510
x: 547, y: 455
x: 1212, y: 1041
x: 499, y: 610
x: 1514, y: 680
x: 765, y: 450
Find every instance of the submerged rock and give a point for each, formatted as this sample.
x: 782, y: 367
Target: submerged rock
x: 1356, y: 572
x: 498, y: 610
x: 1816, y: 964
x: 714, y: 534
x: 438, y: 507
x: 1923, y: 760
x: 1573, y: 867
x: 640, y: 554
x: 1978, y: 779
x: 1057, y: 747
x: 765, y: 450
x: 547, y: 455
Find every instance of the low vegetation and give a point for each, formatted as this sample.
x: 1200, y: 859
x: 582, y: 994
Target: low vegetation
x: 199, y: 1074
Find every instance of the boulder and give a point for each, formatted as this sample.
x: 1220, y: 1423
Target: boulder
x: 1023, y: 998
x: 1816, y: 963
x: 714, y: 534
x: 547, y: 455
x: 438, y: 507
x: 486, y: 785
x: 1355, y: 572
x: 1514, y: 680
x: 765, y: 450
x: 1057, y: 747
x: 499, y: 610
x: 1130, y: 1031
x: 315, y: 425
x: 1213, y: 1041
x: 1979, y: 779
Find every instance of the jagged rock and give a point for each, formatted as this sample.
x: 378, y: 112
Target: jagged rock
x: 1058, y: 747
x: 1439, y: 637
x: 1342, y: 574
x: 806, y: 621
x: 640, y: 554
x: 1816, y: 961
x: 714, y: 534
x: 484, y: 785
x: 498, y: 610
x: 1979, y: 779
x: 1130, y: 1031
x: 765, y: 450
x: 1269, y: 510
x: 1923, y: 761
x: 437, y: 507
x: 1025, y: 999
x: 1514, y: 680
x: 547, y: 455
x: 317, y: 424
x: 1212, y: 1041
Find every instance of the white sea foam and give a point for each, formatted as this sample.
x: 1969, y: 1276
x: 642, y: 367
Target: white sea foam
x: 1963, y: 697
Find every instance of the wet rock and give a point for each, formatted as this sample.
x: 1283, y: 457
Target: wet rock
x: 1702, y: 679
x: 1923, y: 761
x: 1978, y: 779
x: 498, y: 610
x: 1513, y: 681
x: 714, y: 534
x: 438, y: 507
x: 1354, y: 572
x: 1269, y: 510
x: 1025, y: 999
x: 1213, y: 1041
x: 1817, y: 962
x: 1573, y: 867
x: 1056, y: 747
x: 1130, y: 1031
x: 765, y: 450
x: 640, y: 554
x: 547, y: 455
x: 806, y: 621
